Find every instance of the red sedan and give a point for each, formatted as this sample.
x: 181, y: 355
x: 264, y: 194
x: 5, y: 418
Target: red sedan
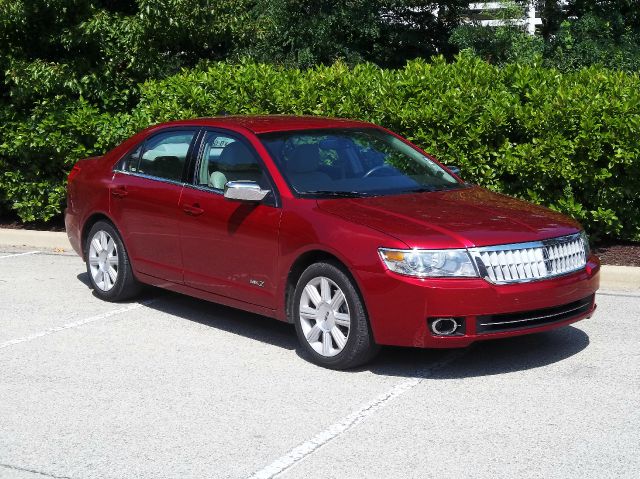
x: 340, y: 227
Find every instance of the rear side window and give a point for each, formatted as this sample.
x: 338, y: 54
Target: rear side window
x: 162, y: 156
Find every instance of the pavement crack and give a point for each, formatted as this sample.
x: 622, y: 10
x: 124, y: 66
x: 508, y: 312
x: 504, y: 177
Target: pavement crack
x: 33, y: 471
x: 622, y: 294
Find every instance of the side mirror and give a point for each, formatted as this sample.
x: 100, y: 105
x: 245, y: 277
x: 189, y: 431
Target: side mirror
x: 244, y: 190
x: 454, y: 169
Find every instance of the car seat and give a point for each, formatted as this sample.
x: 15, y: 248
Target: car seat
x: 303, y: 168
x: 236, y: 162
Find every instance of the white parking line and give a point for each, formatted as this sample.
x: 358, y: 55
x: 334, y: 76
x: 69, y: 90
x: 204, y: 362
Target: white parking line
x: 335, y: 430
x: 76, y: 324
x: 19, y: 254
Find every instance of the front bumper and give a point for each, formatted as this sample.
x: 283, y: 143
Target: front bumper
x: 400, y: 307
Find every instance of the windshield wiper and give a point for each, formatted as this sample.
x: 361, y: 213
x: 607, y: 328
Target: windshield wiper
x: 336, y: 194
x: 422, y: 189
x: 430, y: 189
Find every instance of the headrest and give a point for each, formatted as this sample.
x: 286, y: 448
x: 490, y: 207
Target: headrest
x: 304, y: 159
x: 235, y: 154
x: 169, y: 167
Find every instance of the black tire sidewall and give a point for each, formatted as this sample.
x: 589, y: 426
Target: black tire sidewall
x: 119, y: 291
x: 353, y: 353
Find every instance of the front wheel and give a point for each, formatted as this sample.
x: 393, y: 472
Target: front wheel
x: 108, y: 264
x: 330, y: 318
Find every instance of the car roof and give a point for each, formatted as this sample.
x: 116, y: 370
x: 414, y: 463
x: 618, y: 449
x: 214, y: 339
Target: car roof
x: 271, y: 123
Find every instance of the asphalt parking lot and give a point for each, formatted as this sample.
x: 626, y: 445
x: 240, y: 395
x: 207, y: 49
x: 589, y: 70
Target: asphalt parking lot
x: 174, y: 387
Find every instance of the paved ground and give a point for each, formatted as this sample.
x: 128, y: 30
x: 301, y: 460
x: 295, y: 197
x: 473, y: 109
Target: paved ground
x: 176, y: 387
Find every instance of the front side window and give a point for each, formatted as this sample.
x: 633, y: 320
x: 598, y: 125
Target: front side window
x: 162, y: 156
x: 224, y: 159
x: 354, y: 162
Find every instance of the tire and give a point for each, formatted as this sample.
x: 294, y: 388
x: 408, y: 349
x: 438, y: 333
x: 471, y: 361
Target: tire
x: 108, y: 264
x: 335, y: 333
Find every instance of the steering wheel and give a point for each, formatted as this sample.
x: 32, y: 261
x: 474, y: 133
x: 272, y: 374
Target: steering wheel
x: 379, y: 168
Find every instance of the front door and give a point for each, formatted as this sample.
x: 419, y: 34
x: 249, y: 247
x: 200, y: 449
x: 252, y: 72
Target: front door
x: 144, y: 202
x: 229, y: 248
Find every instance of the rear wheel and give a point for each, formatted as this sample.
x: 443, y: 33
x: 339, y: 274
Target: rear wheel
x: 108, y: 264
x: 330, y: 318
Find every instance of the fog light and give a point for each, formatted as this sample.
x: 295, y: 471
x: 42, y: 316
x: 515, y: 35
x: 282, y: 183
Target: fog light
x: 447, y: 326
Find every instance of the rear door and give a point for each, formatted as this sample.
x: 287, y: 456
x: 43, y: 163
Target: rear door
x: 229, y: 248
x: 144, y: 202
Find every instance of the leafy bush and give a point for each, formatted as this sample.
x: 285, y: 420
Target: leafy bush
x: 506, y: 43
x: 592, y: 40
x: 387, y: 32
x: 566, y: 140
x: 589, y: 32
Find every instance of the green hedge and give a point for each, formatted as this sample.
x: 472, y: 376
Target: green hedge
x: 570, y: 141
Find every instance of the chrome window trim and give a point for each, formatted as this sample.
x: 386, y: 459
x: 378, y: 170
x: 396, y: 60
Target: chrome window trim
x: 542, y: 244
x: 207, y: 189
x: 149, y: 177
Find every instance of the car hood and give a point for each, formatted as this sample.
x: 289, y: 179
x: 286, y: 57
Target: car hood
x: 465, y: 217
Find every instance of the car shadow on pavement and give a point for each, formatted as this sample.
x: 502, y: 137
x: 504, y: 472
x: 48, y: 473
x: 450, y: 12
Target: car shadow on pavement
x: 231, y: 320
x: 148, y: 293
x: 84, y: 279
x: 483, y: 358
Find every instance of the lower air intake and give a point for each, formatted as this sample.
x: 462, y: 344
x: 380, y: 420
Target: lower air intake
x: 497, y: 323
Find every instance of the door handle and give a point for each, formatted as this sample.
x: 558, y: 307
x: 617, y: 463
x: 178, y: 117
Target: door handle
x: 193, y: 210
x: 119, y: 192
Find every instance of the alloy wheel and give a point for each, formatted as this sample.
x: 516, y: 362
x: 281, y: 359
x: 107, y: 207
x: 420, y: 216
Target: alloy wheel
x: 103, y: 260
x: 324, y: 316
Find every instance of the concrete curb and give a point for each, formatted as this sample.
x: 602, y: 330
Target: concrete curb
x: 52, y: 240
x: 620, y: 278
x: 612, y: 278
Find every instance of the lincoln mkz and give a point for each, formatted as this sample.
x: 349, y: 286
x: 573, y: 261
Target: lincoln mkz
x: 343, y: 228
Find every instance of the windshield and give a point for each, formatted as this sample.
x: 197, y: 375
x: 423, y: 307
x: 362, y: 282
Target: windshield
x: 350, y: 162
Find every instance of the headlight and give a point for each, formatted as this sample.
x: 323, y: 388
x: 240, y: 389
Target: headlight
x: 429, y: 263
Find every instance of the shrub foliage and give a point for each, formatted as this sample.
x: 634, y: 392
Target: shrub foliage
x: 566, y: 140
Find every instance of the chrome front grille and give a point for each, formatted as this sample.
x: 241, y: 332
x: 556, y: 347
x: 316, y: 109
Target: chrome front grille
x: 522, y: 262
